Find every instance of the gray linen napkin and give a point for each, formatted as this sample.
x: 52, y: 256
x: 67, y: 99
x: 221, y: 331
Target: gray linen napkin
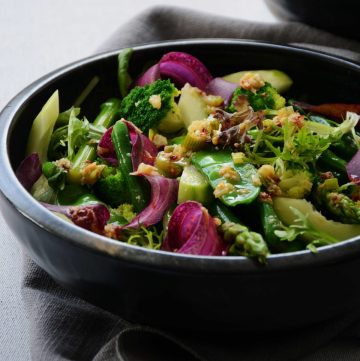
x: 64, y: 327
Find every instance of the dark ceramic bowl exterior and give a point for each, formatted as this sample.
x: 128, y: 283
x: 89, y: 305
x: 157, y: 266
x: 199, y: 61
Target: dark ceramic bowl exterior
x: 171, y: 290
x: 339, y: 18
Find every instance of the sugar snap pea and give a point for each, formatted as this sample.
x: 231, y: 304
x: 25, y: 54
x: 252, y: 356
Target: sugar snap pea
x: 233, y: 183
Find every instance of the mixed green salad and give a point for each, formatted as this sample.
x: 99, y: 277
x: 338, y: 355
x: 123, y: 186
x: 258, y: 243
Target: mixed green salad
x: 186, y: 162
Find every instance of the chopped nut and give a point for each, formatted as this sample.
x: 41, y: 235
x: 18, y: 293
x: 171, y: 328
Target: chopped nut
x: 217, y: 221
x: 159, y: 140
x: 155, y: 101
x: 238, y: 157
x: 256, y: 181
x: 63, y: 163
x: 229, y: 173
x: 267, y: 173
x: 223, y: 188
x: 251, y: 81
x: 91, y: 173
x: 146, y: 169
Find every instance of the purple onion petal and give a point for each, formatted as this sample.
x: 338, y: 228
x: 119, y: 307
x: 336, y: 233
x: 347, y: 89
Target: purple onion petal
x: 184, y: 68
x: 149, y: 77
x: 219, y: 86
x: 29, y: 171
x: 143, y: 150
x: 353, y: 168
x: 191, y: 230
x: 106, y: 150
x: 93, y: 217
x: 163, y: 194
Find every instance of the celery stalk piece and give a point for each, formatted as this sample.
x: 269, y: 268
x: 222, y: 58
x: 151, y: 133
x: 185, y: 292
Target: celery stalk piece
x: 42, y: 127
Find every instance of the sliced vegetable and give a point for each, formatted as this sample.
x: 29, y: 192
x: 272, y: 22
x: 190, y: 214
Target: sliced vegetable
x: 143, y: 150
x: 93, y: 217
x: 337, y: 230
x: 184, y: 68
x: 29, y: 171
x: 233, y: 183
x: 353, y: 168
x: 42, y: 127
x: 192, y: 105
x: 221, y: 87
x: 278, y: 79
x: 194, y: 186
x: 106, y: 150
x: 334, y: 110
x: 191, y: 230
x: 150, y: 76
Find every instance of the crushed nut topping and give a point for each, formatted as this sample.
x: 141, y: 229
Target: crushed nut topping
x: 91, y: 173
x: 223, y: 188
x: 146, y: 169
x: 155, y: 101
x: 251, y: 81
x: 229, y: 173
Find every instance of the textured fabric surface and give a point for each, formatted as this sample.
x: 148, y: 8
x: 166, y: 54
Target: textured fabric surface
x: 64, y: 327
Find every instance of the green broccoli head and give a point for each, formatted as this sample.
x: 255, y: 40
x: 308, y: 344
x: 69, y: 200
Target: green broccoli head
x: 152, y: 106
x: 123, y: 214
x: 265, y: 98
x: 111, y: 188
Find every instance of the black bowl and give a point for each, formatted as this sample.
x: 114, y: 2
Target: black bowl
x: 173, y: 290
x: 334, y: 16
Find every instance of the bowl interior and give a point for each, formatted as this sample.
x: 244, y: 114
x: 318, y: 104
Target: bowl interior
x: 317, y: 78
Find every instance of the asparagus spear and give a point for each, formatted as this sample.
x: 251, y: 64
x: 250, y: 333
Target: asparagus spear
x: 244, y: 242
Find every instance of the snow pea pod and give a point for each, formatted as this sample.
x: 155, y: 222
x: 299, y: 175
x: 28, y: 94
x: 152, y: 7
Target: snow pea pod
x: 239, y: 180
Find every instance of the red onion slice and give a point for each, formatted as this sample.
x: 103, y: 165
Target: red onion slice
x: 184, y: 68
x: 353, y: 168
x: 29, y: 171
x: 143, y: 149
x: 219, y: 86
x: 106, y: 150
x: 191, y: 230
x: 150, y: 76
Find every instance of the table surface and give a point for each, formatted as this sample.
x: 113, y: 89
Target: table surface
x: 39, y: 36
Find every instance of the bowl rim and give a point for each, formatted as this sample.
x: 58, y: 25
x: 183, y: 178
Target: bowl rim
x: 31, y: 209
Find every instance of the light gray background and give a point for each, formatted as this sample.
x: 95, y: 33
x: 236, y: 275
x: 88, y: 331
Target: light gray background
x: 37, y: 36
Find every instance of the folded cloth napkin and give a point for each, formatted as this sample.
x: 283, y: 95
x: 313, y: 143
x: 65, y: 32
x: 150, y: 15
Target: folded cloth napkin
x: 64, y: 327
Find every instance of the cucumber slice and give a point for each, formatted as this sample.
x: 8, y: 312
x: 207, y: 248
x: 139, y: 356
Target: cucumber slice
x: 278, y: 79
x: 192, y: 105
x: 194, y: 186
x: 340, y: 231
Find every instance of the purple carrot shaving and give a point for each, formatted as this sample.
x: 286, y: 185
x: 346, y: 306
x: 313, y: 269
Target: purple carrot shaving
x: 93, y: 217
x: 191, y: 230
x: 29, y: 171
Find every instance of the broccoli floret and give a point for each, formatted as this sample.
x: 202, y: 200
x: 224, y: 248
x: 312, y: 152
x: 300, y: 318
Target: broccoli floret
x: 265, y: 98
x: 123, y: 214
x: 295, y: 183
x: 111, y: 187
x: 152, y: 106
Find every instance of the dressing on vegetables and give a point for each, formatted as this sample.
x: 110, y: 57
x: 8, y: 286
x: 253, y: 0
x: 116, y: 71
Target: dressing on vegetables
x: 182, y: 161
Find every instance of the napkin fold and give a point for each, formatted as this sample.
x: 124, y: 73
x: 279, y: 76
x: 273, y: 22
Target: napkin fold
x: 65, y: 327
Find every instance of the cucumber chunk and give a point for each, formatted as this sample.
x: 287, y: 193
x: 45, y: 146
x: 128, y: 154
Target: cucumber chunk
x: 340, y: 231
x: 192, y: 105
x: 278, y: 79
x: 194, y: 186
